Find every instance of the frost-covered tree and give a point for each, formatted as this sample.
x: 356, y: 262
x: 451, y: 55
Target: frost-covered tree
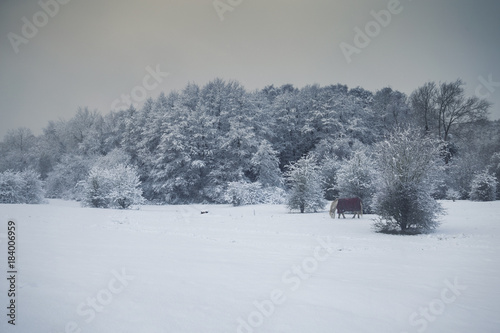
x: 494, y: 168
x: 305, y: 181
x: 61, y: 181
x: 391, y: 108
x: 407, y: 164
x: 452, y: 194
x: 243, y: 193
x: 32, y: 189
x: 17, y: 151
x: 115, y: 187
x: 21, y: 187
x: 10, y: 187
x: 265, y: 164
x: 356, y: 178
x: 483, y: 187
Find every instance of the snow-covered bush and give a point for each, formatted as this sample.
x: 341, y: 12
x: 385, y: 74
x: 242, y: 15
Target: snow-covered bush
x: 494, y: 169
x: 483, y: 187
x: 356, y: 178
x: 452, y: 194
x: 10, y: 187
x: 21, y: 187
x: 408, y: 163
x: 32, y: 187
x: 305, y: 180
x: 116, y: 187
x: 273, y: 196
x: 244, y: 193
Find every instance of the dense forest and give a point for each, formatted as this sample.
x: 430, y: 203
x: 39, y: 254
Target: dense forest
x: 207, y: 144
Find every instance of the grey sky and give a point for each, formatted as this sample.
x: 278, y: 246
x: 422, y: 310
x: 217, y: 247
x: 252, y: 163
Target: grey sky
x: 91, y: 52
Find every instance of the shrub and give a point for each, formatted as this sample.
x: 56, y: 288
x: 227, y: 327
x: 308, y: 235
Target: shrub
x: 21, y: 187
x: 244, y: 193
x: 483, y: 187
x: 408, y: 165
x: 452, y: 194
x: 116, y: 187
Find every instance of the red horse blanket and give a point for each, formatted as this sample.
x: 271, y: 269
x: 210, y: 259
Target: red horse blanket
x: 349, y: 205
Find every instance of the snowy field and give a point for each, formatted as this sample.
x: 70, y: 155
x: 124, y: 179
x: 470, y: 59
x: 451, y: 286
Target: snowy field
x: 248, y: 269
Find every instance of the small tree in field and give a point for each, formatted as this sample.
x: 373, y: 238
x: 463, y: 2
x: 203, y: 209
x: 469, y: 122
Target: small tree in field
x: 483, y: 187
x: 408, y: 163
x: 116, y: 187
x: 305, y: 181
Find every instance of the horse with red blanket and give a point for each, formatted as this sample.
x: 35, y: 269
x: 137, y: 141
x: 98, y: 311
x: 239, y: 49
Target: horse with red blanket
x: 353, y: 205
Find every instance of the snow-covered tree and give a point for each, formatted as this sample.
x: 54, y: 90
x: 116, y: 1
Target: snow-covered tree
x: 305, y: 181
x: 265, y: 164
x: 483, y: 187
x: 452, y: 194
x: 407, y: 164
x: 494, y: 168
x: 21, y: 187
x: 356, y: 178
x: 391, y: 109
x: 31, y: 190
x: 115, y: 187
x: 17, y: 151
x: 61, y: 181
x: 10, y: 187
x: 243, y: 193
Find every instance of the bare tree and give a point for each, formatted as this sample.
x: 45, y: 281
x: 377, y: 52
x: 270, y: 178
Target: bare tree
x: 455, y: 108
x: 423, y: 104
x: 441, y: 107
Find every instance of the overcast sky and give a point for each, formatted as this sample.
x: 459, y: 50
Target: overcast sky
x: 91, y: 52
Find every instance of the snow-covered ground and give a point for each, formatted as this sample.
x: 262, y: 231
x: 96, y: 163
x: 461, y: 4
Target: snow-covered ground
x: 248, y: 269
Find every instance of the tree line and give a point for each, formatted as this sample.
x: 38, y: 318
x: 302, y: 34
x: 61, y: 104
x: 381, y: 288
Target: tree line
x: 221, y: 143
